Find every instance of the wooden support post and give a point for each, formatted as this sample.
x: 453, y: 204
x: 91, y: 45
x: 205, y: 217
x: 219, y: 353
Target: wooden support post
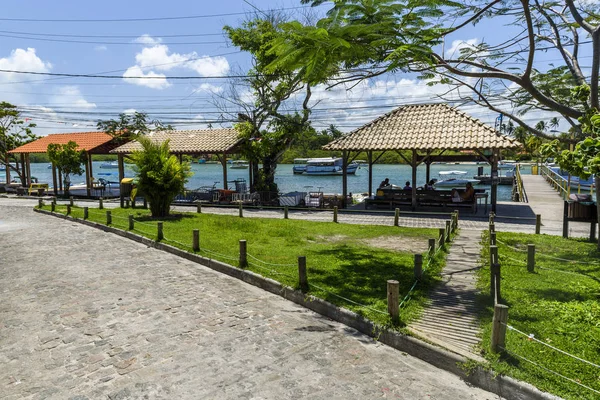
x: 492, y: 227
x: 53, y: 206
x: 199, y: 208
x: 492, y: 216
x: 40, y: 203
x: 68, y: 209
x: 397, y: 217
x: 196, y: 240
x: 335, y: 213
x: 86, y: 213
x: 126, y: 203
x: 448, y: 230
x: 418, y: 266
x: 492, y: 239
x: 133, y: 203
x: 499, y: 327
x: 243, y: 254
x: 100, y: 203
x: 393, y: 298
x: 432, y: 247
x: 530, y: 257
x: 159, y: 233
x: 538, y: 224
x: 145, y: 204
x: 108, y: 217
x: 71, y: 201
x: 241, y: 212
x: 285, y: 212
x: 442, y: 237
x: 302, y: 274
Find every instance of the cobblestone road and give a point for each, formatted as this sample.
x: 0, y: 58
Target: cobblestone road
x: 86, y: 314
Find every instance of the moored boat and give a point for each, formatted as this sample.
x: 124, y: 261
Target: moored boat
x: 328, y: 166
x: 109, y: 165
x: 454, y: 179
x: 239, y: 164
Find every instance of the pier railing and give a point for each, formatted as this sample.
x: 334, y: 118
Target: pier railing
x: 519, y: 188
x: 562, y: 184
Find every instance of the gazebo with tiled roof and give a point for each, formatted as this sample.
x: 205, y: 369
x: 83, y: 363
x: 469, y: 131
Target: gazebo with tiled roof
x: 220, y: 142
x: 89, y: 142
x: 427, y: 130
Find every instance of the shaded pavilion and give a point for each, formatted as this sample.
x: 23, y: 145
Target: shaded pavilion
x: 89, y: 142
x: 220, y: 142
x: 427, y: 131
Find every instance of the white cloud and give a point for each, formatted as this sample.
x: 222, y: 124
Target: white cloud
x: 208, y: 88
x: 458, y: 45
x: 157, y: 57
x: 101, y: 48
x: 72, y: 96
x: 129, y: 111
x: 22, y: 60
x: 156, y: 81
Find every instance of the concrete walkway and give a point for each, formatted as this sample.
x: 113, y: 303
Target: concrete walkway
x: 88, y: 315
x: 450, y: 318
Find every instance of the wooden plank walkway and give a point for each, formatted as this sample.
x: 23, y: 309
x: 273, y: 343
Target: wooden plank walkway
x: 450, y: 318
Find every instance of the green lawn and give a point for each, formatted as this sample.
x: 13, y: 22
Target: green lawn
x: 344, y: 262
x: 558, y: 304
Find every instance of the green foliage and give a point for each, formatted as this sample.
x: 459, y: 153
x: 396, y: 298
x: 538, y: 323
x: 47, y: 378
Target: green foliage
x: 129, y: 126
x: 67, y: 159
x: 160, y: 175
x: 558, y: 304
x: 14, y: 132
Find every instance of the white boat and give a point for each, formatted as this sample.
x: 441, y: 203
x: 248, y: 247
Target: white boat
x: 328, y: 166
x: 239, y: 164
x: 454, y: 179
x: 507, y: 164
x: 111, y: 165
x: 300, y: 165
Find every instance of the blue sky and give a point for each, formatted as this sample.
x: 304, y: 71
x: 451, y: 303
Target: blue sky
x: 160, y: 49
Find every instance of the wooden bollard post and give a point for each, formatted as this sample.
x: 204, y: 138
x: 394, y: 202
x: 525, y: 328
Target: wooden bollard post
x: 432, y: 247
x: 159, y: 233
x: 499, y: 327
x: 243, y: 254
x: 196, y: 240
x: 492, y: 238
x: 492, y: 215
x: 53, y: 206
x: 241, y: 212
x: 442, y: 237
x: 40, y: 203
x: 199, y: 208
x: 493, y: 262
x: 71, y: 201
x: 126, y: 203
x: 285, y: 212
x: 145, y: 203
x: 302, y: 274
x: 495, y: 282
x: 538, y: 223
x: 108, y: 218
x: 100, y: 203
x: 492, y: 227
x: 418, y: 266
x: 448, y: 230
x: 133, y: 203
x: 397, y: 217
x: 456, y: 214
x: 530, y: 257
x: 86, y: 213
x: 393, y: 299
x: 68, y: 209
x: 335, y: 212
x: 131, y: 222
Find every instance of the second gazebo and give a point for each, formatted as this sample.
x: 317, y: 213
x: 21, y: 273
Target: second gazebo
x: 427, y: 131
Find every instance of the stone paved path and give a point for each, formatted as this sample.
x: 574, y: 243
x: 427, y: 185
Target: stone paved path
x: 450, y: 318
x: 89, y: 315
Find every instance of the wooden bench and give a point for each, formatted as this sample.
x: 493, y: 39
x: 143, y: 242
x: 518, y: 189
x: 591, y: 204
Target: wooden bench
x: 390, y: 198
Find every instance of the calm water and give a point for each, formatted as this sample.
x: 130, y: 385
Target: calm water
x: 208, y: 174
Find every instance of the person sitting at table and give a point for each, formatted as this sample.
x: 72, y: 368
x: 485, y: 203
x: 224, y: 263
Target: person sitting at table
x: 467, y: 195
x: 407, y: 186
x: 384, y: 183
x: 429, y: 185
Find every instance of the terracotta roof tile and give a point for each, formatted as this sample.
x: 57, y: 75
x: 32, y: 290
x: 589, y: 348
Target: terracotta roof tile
x: 191, y: 141
x: 423, y: 127
x: 86, y: 140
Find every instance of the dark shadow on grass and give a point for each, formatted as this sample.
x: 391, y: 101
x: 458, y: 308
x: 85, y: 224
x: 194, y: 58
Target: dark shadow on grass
x: 171, y: 217
x: 558, y: 295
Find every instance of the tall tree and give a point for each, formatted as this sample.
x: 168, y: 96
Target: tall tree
x: 68, y: 160
x: 14, y: 132
x: 269, y: 131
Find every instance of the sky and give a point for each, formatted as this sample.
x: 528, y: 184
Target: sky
x: 81, y: 37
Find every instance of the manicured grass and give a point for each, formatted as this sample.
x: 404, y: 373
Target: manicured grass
x: 558, y: 304
x: 343, y: 265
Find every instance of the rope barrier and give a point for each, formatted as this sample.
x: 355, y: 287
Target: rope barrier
x: 408, y: 294
x: 565, y: 272
x: 532, y: 337
x: 272, y: 264
x: 271, y: 270
x: 187, y: 246
x: 546, y: 255
x: 348, y: 300
x: 219, y: 254
x: 549, y: 370
x: 513, y: 259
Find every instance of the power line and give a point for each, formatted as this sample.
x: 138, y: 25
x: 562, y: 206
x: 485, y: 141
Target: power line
x: 109, y: 43
x: 184, y: 17
x: 109, y: 36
